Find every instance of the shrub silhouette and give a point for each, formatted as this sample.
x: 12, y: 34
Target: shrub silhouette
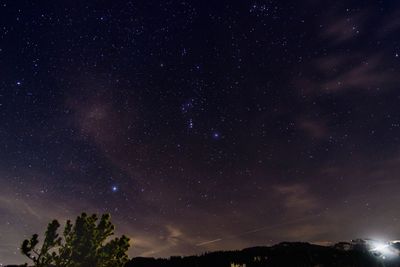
x: 83, y: 244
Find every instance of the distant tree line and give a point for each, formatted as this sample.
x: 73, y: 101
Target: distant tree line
x: 281, y: 255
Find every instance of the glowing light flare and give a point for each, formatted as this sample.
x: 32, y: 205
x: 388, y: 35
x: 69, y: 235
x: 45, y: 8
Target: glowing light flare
x: 382, y: 249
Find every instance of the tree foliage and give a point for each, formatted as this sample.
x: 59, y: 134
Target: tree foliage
x: 86, y: 243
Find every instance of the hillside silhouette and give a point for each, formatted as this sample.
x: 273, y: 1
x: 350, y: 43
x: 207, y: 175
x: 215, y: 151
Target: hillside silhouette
x: 89, y: 241
x: 282, y: 255
x: 286, y: 254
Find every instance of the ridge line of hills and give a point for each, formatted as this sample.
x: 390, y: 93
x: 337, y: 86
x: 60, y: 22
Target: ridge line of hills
x: 357, y: 253
x: 285, y: 254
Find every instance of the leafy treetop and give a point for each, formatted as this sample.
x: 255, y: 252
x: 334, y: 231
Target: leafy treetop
x: 83, y: 244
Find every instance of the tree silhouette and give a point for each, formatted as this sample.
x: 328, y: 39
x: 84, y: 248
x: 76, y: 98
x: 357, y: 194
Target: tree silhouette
x: 83, y: 244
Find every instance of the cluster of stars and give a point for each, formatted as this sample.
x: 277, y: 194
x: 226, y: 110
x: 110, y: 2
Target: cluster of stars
x: 167, y: 113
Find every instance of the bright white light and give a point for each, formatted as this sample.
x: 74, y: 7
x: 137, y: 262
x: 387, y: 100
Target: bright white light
x: 384, y: 250
x: 380, y: 247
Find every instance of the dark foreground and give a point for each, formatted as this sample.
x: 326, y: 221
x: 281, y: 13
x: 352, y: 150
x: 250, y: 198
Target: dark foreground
x: 281, y: 255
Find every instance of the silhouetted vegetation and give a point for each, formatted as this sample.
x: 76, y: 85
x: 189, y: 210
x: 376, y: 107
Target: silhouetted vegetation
x: 87, y: 244
x: 83, y: 244
x: 281, y: 255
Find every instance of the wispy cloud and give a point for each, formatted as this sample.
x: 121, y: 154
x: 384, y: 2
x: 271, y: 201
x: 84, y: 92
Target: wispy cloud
x: 315, y: 129
x: 296, y: 198
x: 342, y: 29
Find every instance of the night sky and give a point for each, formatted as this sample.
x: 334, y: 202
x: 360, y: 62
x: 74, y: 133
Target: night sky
x: 201, y: 125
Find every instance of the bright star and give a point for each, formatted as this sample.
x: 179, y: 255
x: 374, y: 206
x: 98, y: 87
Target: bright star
x: 114, y: 188
x: 216, y: 135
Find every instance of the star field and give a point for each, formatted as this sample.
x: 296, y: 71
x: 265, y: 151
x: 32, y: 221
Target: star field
x: 241, y: 122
